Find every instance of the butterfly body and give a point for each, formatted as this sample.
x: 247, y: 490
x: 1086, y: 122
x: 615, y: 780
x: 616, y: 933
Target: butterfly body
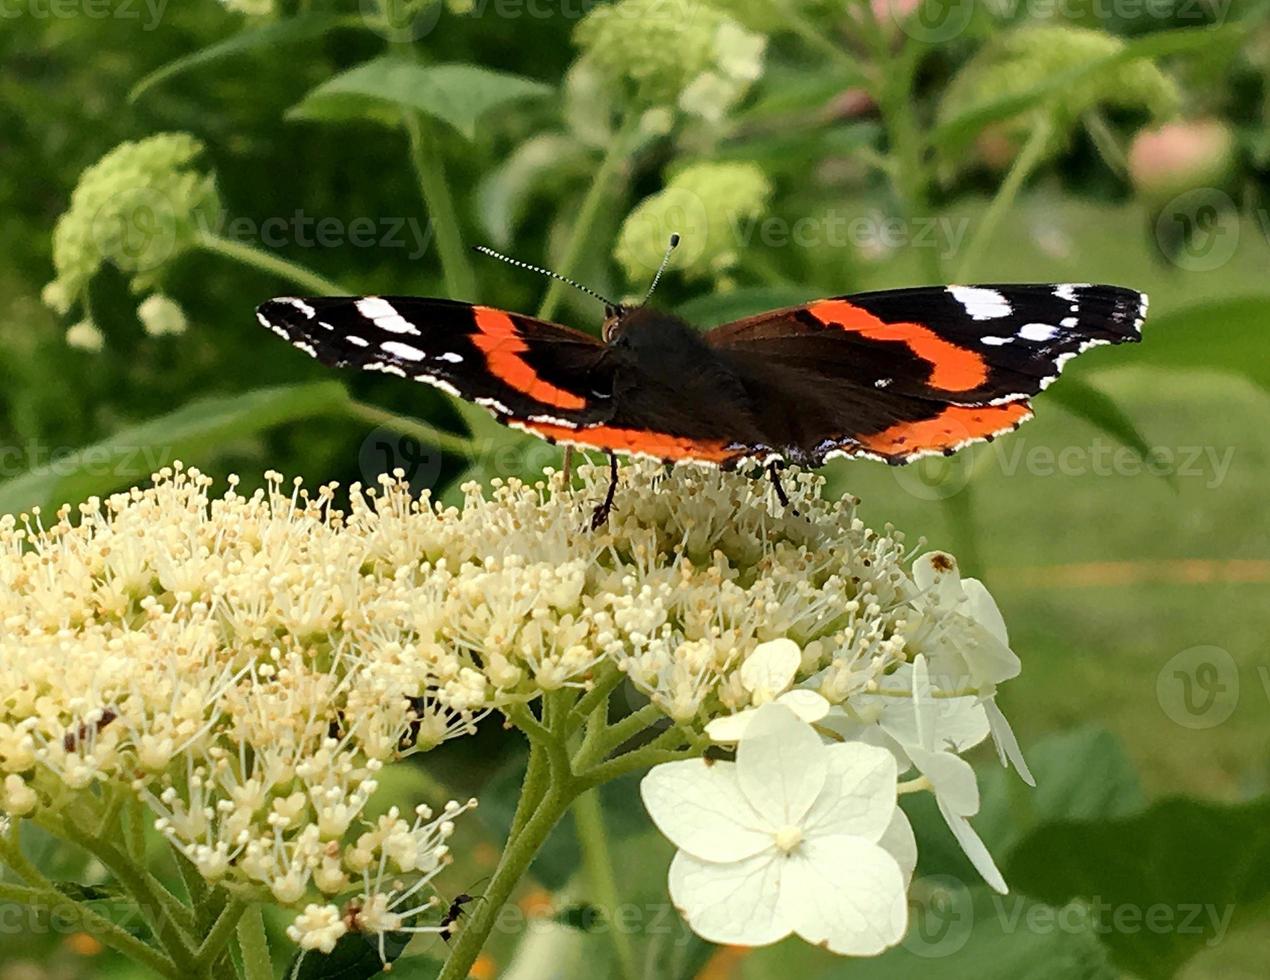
x: 890, y: 375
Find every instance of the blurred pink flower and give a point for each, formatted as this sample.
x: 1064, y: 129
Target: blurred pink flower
x: 1178, y: 156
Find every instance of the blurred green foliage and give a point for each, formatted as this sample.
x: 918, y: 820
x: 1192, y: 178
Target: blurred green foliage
x: 864, y: 150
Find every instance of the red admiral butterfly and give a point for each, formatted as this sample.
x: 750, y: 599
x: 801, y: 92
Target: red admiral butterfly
x: 890, y: 375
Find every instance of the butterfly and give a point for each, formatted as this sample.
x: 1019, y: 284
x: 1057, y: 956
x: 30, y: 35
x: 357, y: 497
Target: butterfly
x: 892, y: 375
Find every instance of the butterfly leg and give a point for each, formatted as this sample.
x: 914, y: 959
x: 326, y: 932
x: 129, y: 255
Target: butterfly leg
x: 773, y: 470
x: 566, y: 467
x: 601, y: 513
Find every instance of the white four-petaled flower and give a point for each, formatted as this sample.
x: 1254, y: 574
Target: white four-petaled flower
x: 796, y: 836
x: 767, y: 674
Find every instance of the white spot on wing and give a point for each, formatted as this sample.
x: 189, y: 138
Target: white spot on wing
x: 1069, y: 321
x: 300, y: 305
x: 996, y: 341
x: 450, y: 357
x: 1038, y: 332
x: 980, y: 303
x: 384, y: 315
x: 398, y: 349
x: 358, y: 341
x: 882, y: 382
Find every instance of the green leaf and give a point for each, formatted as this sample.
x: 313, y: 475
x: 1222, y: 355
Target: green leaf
x: 1161, y: 885
x: 959, y: 933
x: 357, y: 957
x: 1228, y: 335
x: 1080, y: 775
x: 290, y: 31
x: 504, y: 194
x: 456, y: 94
x: 714, y: 308
x: 133, y: 454
x: 1100, y: 410
x: 956, y: 131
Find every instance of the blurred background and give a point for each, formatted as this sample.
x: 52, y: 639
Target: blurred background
x: 803, y: 148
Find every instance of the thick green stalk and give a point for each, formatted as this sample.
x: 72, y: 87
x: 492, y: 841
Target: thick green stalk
x: 1025, y: 163
x: 517, y: 856
x: 460, y: 283
x: 597, y: 863
x: 219, y: 935
x: 580, y: 237
x: 256, y: 258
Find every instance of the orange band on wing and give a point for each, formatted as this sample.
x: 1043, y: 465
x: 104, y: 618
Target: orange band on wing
x: 953, y: 426
x: 656, y: 444
x: 952, y: 368
x: 497, y: 338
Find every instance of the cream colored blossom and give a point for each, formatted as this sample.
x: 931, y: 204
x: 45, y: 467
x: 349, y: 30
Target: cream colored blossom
x: 247, y: 664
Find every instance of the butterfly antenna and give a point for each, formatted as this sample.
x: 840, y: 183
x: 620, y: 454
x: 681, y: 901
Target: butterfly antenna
x: 485, y: 250
x: 674, y: 243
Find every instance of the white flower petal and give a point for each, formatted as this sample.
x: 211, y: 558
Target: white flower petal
x: 952, y: 777
x: 936, y: 571
x: 958, y: 723
x: 923, y: 709
x: 771, y: 667
x: 730, y: 728
x: 807, y: 705
x: 983, y: 608
x: 780, y: 765
x: 845, y: 894
x: 1007, y: 744
x: 973, y: 847
x: 858, y: 798
x: 735, y: 903
x: 701, y: 809
x: 898, y: 841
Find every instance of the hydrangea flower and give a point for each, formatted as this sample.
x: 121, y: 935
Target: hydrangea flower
x: 654, y: 52
x: 791, y: 838
x: 1017, y: 61
x: 767, y: 675
x: 705, y: 203
x: 160, y: 316
x: 138, y: 207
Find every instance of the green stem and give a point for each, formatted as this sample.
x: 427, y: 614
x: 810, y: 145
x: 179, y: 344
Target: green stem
x: 603, y: 685
x: 254, y: 945
x: 446, y: 441
x: 214, y: 942
x: 517, y: 856
x: 257, y: 258
x: 597, y: 864
x: 1025, y: 163
x: 596, y: 196
x: 652, y: 754
x: 41, y: 892
x: 959, y: 509
x: 460, y: 283
x: 531, y: 790
x: 600, y: 742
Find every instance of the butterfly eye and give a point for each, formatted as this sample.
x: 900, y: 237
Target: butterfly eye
x: 612, y: 324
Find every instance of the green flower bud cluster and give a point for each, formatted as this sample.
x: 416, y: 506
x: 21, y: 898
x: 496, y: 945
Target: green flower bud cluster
x: 705, y: 203
x: 656, y: 52
x: 1019, y: 61
x: 138, y: 207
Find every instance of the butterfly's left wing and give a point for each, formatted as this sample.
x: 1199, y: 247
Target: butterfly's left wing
x: 514, y: 365
x: 907, y: 372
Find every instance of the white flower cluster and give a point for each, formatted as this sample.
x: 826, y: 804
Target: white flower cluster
x: 246, y: 664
